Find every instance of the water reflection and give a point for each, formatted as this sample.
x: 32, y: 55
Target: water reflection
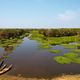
x: 9, y: 49
x: 31, y: 61
x: 10, y: 44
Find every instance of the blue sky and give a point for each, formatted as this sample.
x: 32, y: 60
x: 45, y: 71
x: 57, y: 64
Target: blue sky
x: 39, y: 13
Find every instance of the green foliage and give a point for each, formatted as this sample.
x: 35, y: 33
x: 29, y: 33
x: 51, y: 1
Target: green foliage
x: 67, y: 58
x: 60, y: 32
x: 69, y: 46
x: 6, y: 57
x: 62, y: 40
x: 36, y: 35
x: 77, y: 60
x: 54, y: 51
x: 10, y: 44
x: 12, y: 33
x: 71, y: 55
x: 62, y: 60
x: 45, y: 46
x: 76, y: 51
x: 77, y: 44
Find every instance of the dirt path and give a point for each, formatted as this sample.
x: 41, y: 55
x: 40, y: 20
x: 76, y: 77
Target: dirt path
x: 63, y: 77
x: 29, y: 35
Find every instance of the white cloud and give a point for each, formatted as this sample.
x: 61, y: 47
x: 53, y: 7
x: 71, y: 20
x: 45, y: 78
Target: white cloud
x: 68, y: 15
x: 69, y: 19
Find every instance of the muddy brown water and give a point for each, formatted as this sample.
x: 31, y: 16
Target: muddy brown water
x: 30, y: 61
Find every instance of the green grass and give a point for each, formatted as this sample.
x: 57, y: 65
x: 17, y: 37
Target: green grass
x: 62, y: 40
x: 68, y: 46
x: 76, y: 50
x: 67, y: 58
x: 54, y: 40
x: 45, y: 46
x: 77, y: 44
x: 62, y: 60
x: 10, y: 44
x: 54, y: 51
x: 71, y: 55
x: 77, y: 60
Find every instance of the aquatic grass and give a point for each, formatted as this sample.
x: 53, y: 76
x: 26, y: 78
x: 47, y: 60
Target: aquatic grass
x: 54, y: 42
x: 77, y: 44
x: 38, y: 37
x: 45, y: 46
x: 19, y: 41
x: 77, y: 60
x: 14, y: 45
x: 62, y: 40
x: 67, y: 58
x: 6, y: 57
x: 54, y: 51
x: 71, y: 55
x: 35, y: 34
x: 41, y: 40
x: 76, y: 50
x: 62, y: 60
x: 4, y: 44
x: 68, y: 46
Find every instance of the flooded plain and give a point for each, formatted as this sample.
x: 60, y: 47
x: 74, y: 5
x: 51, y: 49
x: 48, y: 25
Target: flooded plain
x: 31, y: 61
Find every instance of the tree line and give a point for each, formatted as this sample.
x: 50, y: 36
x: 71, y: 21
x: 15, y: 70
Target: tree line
x: 12, y: 33
x: 60, y: 32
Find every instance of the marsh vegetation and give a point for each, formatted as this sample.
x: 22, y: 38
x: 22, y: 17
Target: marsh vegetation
x: 58, y: 47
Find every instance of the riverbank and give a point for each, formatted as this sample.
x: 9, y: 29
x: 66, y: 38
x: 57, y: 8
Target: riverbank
x: 63, y: 77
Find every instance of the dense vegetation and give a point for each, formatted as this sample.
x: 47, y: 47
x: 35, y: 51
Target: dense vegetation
x: 11, y: 33
x: 68, y: 38
x: 7, y: 33
x: 60, y: 32
x: 47, y: 39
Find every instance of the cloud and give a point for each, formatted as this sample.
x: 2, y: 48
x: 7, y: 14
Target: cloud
x: 69, y: 18
x: 68, y: 15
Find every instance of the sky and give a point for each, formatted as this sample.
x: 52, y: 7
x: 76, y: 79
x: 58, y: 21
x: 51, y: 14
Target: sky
x: 39, y: 13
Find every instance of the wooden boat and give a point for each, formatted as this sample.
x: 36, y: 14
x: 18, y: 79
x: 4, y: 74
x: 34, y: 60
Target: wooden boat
x: 1, y: 63
x: 4, y: 70
x: 2, y: 67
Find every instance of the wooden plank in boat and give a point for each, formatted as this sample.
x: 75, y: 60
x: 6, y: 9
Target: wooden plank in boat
x: 6, y: 69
